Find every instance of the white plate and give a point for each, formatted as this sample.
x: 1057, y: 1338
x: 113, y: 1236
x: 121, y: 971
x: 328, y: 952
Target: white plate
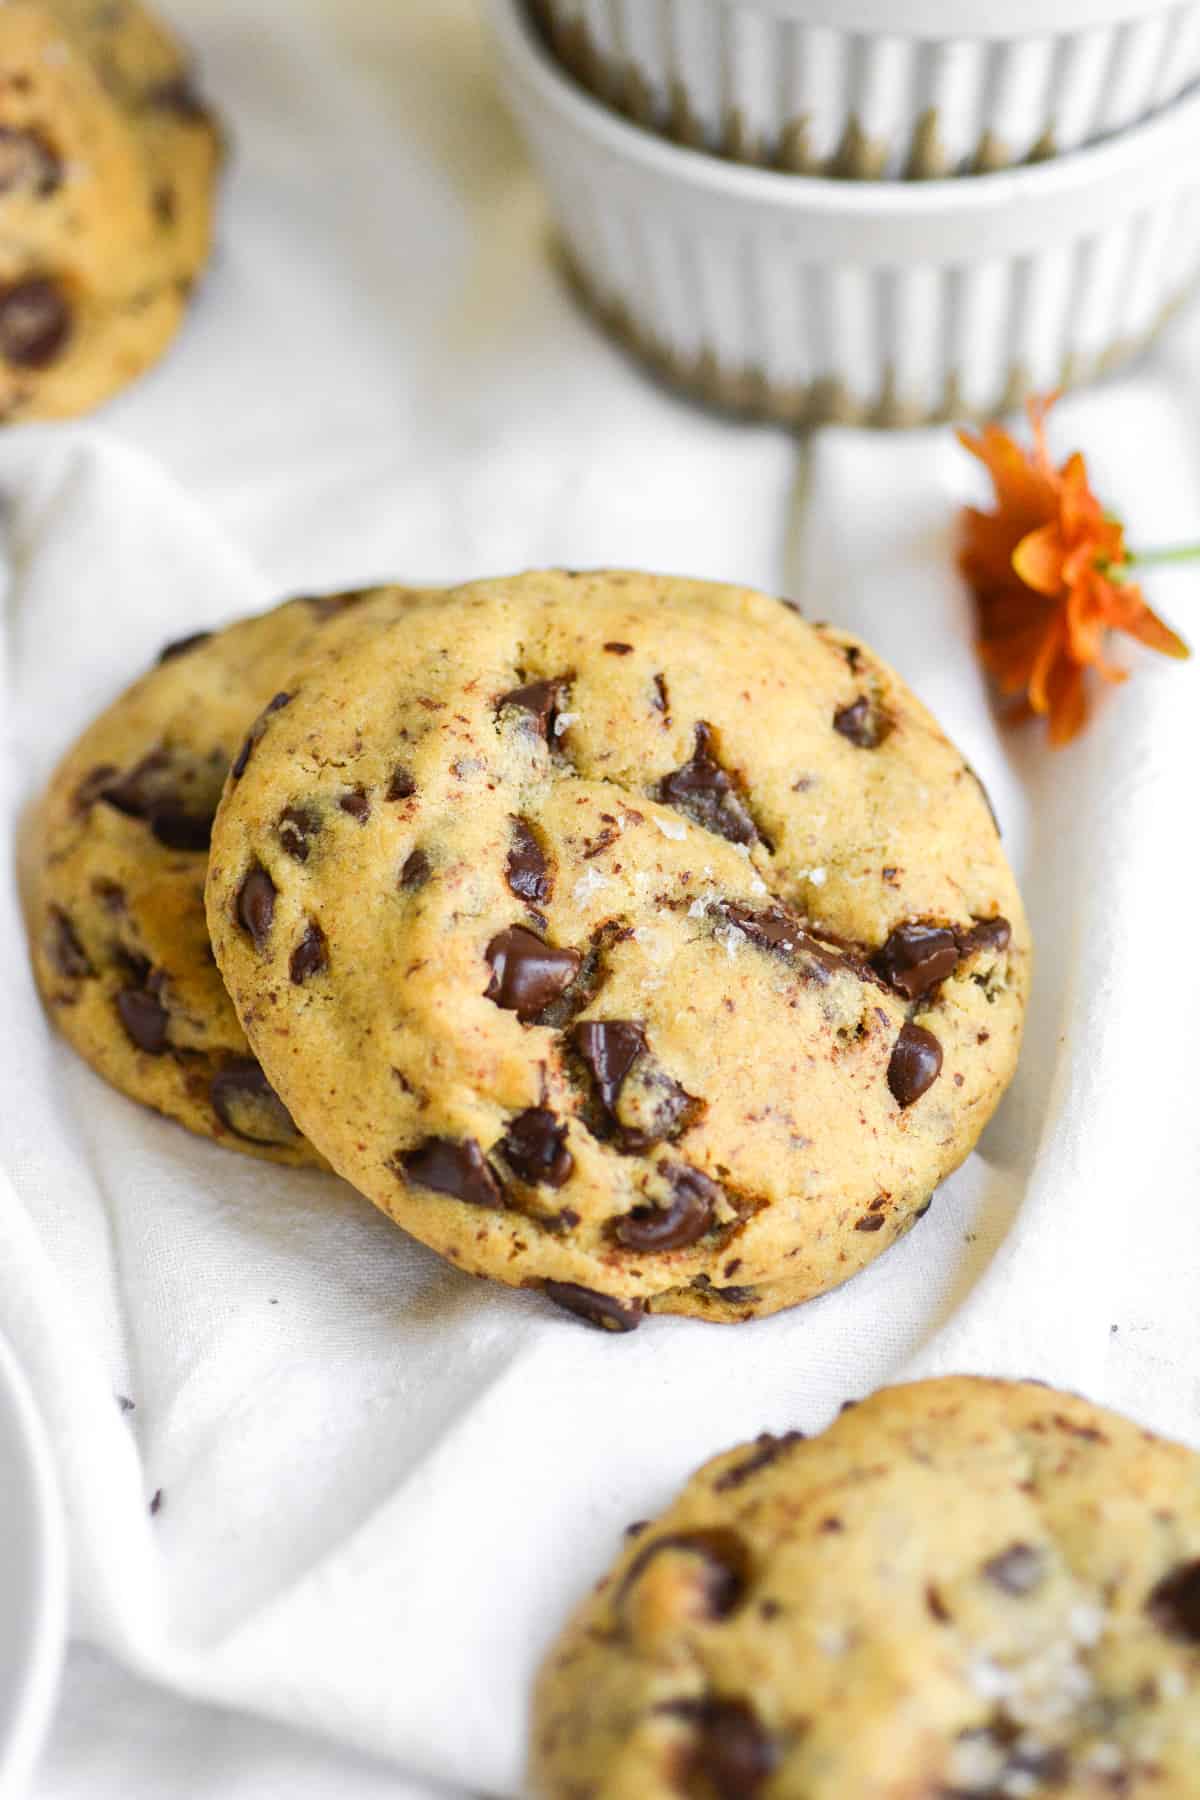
x: 33, y: 1609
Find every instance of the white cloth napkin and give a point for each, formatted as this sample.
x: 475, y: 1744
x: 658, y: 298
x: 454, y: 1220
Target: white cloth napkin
x: 384, y: 1484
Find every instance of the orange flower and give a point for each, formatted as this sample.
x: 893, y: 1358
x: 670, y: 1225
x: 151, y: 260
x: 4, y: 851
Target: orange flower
x: 1047, y: 571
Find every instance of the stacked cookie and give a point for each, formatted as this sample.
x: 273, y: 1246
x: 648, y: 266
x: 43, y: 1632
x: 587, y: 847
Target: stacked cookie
x: 623, y: 937
x: 108, y: 158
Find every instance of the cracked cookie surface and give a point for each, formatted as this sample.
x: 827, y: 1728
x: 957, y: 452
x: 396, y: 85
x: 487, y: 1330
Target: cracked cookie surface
x: 962, y: 1590
x: 108, y: 160
x: 623, y: 935
x: 116, y: 878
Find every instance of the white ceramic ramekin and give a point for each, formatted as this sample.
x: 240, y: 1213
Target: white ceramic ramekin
x: 805, y: 299
x: 870, y: 88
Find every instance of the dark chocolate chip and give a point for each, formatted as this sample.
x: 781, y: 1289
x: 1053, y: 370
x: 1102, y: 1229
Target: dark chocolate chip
x: 778, y: 931
x: 862, y: 723
x: 297, y: 826
x: 731, y: 1752
x: 661, y: 700
x: 1174, y: 1604
x: 615, y: 649
x: 528, y: 974
x: 254, y: 735
x: 64, y: 948
x: 401, y: 786
x: 310, y: 955
x: 452, y: 1166
x: 914, y: 958
x: 540, y: 699
x: 246, y: 1103
x: 256, y: 905
x: 535, y: 1148
x: 415, y: 872
x: 35, y: 323
x: 653, y: 1106
x: 609, y: 1047
x: 181, y: 97
x: 175, y: 795
x: 144, y: 1017
x: 987, y: 934
x: 1018, y: 1570
x: 723, y: 1560
x: 870, y: 1222
x: 604, y: 1311
x: 181, y: 646
x: 29, y: 161
x: 707, y: 794
x: 357, y: 804
x: 768, y: 1448
x: 110, y: 894
x: 915, y: 1066
x: 527, y: 872
x: 673, y: 1227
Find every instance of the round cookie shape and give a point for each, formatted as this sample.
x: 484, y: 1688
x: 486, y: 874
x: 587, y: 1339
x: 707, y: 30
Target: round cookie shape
x: 675, y: 965
x: 962, y: 1590
x: 108, y: 159
x: 116, y: 873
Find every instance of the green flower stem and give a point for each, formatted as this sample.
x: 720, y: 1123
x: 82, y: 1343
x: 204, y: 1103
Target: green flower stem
x: 1150, y: 559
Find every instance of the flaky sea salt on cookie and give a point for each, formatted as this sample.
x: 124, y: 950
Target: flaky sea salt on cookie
x: 963, y: 1590
x: 625, y: 937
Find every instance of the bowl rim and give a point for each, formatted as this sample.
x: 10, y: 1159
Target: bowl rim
x: 1168, y: 143
x: 926, y: 20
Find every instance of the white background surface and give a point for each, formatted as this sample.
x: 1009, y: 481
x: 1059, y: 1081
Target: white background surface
x: 384, y: 1484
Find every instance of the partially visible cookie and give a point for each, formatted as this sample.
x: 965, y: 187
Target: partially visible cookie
x: 673, y: 964
x: 116, y: 887
x: 108, y: 158
x: 962, y: 1590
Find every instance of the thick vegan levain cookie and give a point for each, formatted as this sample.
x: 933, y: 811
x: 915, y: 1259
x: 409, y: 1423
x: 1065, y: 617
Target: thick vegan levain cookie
x: 672, y: 960
x: 116, y: 888
x: 963, y: 1590
x: 108, y: 158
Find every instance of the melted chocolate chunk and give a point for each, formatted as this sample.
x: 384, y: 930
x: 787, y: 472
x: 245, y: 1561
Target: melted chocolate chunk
x: 528, y: 974
x: 616, y: 649
x: 862, y: 723
x: 64, y: 948
x: 916, y: 957
x: 870, y: 1222
x: 452, y: 1166
x: 986, y: 934
x: 915, y: 1066
x: 527, y: 872
x: 298, y: 825
x: 1174, y: 1604
x: 401, y: 786
x: 540, y: 699
x: 246, y: 1104
x: 609, y: 1047
x: 723, y: 1563
x: 181, y: 646
x: 604, y: 1311
x: 768, y: 1448
x: 653, y: 1106
x: 144, y: 1016
x: 731, y: 1751
x: 175, y: 795
x: 35, y: 323
x: 310, y: 955
x: 773, y: 929
x: 254, y: 735
x: 29, y: 161
x: 356, y: 804
x: 707, y: 793
x: 673, y: 1227
x: 535, y: 1148
x: 1018, y: 1570
x: 256, y: 905
x: 415, y: 872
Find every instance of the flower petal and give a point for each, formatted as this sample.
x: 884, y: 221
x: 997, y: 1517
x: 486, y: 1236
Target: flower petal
x: 1038, y: 560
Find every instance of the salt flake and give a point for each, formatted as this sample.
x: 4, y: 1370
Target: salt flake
x: 671, y: 828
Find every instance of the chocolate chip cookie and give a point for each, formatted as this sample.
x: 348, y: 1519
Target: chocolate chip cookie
x: 116, y: 887
x: 108, y: 158
x: 963, y: 1590
x: 623, y: 937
